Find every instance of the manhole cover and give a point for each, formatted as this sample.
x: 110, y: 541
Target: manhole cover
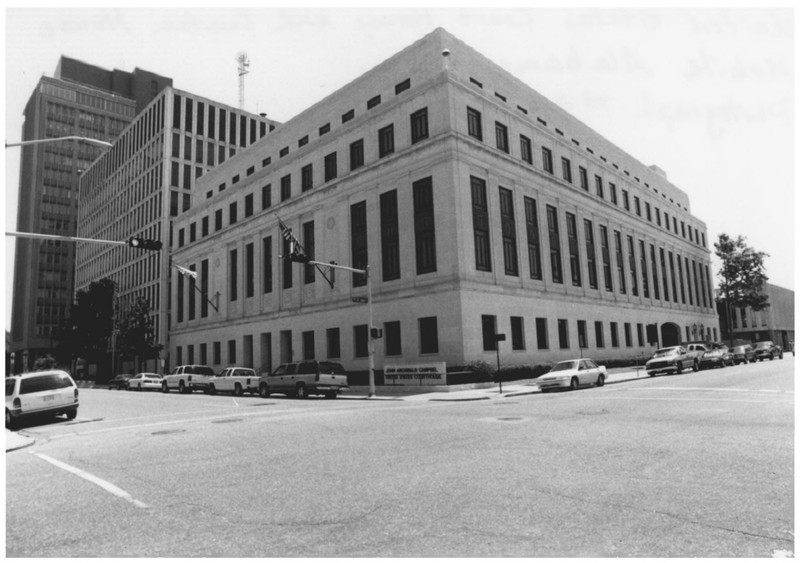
x: 164, y: 432
x: 226, y: 420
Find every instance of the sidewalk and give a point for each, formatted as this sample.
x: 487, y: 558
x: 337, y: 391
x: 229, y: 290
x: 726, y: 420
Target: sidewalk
x: 16, y: 441
x: 472, y: 392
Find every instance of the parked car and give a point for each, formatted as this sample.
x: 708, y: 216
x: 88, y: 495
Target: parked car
x: 672, y: 359
x: 120, y: 381
x: 718, y: 357
x: 695, y: 351
x: 767, y: 350
x: 144, y: 380
x: 51, y: 392
x: 301, y: 379
x: 187, y: 378
x: 234, y: 380
x: 742, y: 354
x: 572, y: 374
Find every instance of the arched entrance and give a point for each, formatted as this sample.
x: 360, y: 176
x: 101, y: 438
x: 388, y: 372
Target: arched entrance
x: 670, y: 335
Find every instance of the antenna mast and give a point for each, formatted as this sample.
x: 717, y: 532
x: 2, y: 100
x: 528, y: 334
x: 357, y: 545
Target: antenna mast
x: 244, y: 63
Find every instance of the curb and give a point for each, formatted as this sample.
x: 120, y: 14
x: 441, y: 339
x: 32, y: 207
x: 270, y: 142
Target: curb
x: 15, y: 441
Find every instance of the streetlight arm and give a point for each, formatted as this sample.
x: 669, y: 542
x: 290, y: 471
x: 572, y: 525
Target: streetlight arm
x: 98, y: 142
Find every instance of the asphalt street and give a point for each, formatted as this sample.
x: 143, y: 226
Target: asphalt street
x: 694, y: 465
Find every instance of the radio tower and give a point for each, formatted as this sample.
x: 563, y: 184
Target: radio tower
x: 244, y: 63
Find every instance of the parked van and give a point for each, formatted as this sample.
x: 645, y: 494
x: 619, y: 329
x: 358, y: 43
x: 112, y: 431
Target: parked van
x: 51, y: 392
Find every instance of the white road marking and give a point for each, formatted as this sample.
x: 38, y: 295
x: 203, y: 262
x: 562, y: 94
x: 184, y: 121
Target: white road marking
x: 716, y: 389
x: 111, y: 488
x: 234, y: 401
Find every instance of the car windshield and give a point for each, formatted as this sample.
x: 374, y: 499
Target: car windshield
x: 202, y: 370
x: 564, y: 366
x: 762, y: 345
x: 665, y: 352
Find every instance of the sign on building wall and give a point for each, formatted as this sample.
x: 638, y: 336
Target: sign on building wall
x: 416, y: 374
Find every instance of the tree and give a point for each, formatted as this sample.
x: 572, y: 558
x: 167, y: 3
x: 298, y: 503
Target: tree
x: 87, y: 331
x: 741, y: 275
x: 136, y: 335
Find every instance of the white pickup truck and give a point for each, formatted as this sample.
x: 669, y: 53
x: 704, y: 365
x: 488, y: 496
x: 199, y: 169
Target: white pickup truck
x: 234, y: 380
x: 187, y: 378
x: 301, y: 379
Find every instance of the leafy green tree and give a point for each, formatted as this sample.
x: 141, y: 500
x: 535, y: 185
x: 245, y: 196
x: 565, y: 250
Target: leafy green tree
x: 45, y: 362
x: 136, y: 334
x: 87, y: 331
x: 741, y: 277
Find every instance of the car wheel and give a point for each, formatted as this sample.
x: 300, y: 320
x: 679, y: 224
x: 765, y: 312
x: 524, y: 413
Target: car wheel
x: 651, y: 373
x: 263, y: 391
x: 601, y: 380
x: 71, y: 414
x: 300, y: 392
x: 238, y: 390
x: 212, y: 390
x: 10, y: 422
x: 181, y: 387
x: 771, y: 356
x: 164, y: 387
x: 695, y: 366
x: 574, y: 383
x: 331, y: 395
x: 780, y: 356
x: 679, y: 368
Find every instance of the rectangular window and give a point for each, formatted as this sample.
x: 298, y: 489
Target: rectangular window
x: 584, y: 178
x: 217, y: 219
x: 614, y: 336
x: 613, y: 191
x: 249, y: 270
x: 647, y: 213
x: 248, y: 205
x: 424, y: 226
x: 333, y: 341
x: 266, y: 264
x: 680, y: 278
x: 307, y: 177
x: 509, y: 229
x: 288, y: 281
x: 664, y: 285
x: 563, y: 334
x: 232, y: 352
x: 620, y: 262
x: 632, y: 265
x: 233, y: 213
x: 330, y: 167
x: 480, y: 225
x: 574, y: 257
x: 670, y: 257
x: 347, y: 116
x: 555, y: 244
x: 374, y: 101
x: 180, y: 297
x: 474, y: 124
x: 689, y: 282
x: 286, y: 187
x: 547, y: 160
x: 309, y: 270
x: 192, y: 294
x: 390, y: 236
x: 566, y: 169
x: 532, y: 231
x: 643, y: 264
x: 628, y: 335
x: 266, y: 196
x: 658, y: 217
x: 598, y: 334
x: 626, y: 203
x: 357, y: 154
x: 654, y: 267
x: 637, y: 206
x: 392, y: 339
x: 308, y: 344
x: 489, y: 330
x: 606, y: 255
x: 419, y: 125
x: 591, y: 261
x: 640, y: 333
x: 204, y: 288
x: 517, y: 333
x: 386, y: 141
x: 501, y: 135
x: 204, y: 226
x: 358, y: 241
x: 233, y: 275
x: 582, y: 342
x: 428, y: 336
x: 598, y: 186
x: 525, y: 149
x: 217, y: 349
x: 541, y: 333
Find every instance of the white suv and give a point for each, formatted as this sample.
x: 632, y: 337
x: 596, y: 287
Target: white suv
x: 40, y: 393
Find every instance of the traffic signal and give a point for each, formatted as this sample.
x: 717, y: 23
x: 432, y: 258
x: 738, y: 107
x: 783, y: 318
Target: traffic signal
x: 144, y: 243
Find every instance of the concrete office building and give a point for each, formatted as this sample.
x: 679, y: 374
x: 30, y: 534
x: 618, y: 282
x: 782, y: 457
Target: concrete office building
x: 82, y: 100
x: 147, y: 179
x: 775, y: 323
x: 481, y: 207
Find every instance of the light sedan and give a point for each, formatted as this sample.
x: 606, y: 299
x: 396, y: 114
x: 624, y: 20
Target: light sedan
x: 571, y: 374
x: 144, y: 381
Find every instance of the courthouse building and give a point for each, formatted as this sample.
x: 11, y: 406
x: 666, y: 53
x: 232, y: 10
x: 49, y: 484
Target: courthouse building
x: 78, y: 100
x: 481, y: 208
x: 147, y: 179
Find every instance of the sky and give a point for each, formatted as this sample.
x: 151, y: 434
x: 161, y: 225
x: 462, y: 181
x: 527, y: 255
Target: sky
x: 705, y: 93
